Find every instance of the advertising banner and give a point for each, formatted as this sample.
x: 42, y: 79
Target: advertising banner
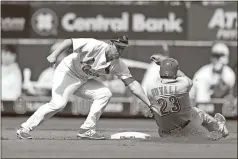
x: 212, y: 22
x: 107, y: 21
x: 15, y: 20
x: 27, y: 105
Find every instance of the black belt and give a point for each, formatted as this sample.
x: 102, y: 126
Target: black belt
x: 177, y: 129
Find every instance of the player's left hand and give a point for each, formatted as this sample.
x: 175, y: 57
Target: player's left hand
x: 52, y: 60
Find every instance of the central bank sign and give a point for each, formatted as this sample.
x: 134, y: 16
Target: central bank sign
x: 140, y: 23
x: 105, y: 21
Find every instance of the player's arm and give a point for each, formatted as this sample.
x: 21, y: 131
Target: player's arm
x: 136, y: 89
x: 157, y: 58
x: 66, y: 44
x: 121, y: 70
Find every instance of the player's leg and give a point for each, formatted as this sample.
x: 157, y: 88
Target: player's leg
x: 100, y: 94
x: 64, y: 85
x: 215, y: 125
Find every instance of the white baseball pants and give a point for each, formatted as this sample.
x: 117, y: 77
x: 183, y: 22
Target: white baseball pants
x: 65, y: 83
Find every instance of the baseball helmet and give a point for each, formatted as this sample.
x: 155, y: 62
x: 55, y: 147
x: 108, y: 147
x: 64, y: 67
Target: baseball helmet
x: 169, y: 68
x: 121, y: 42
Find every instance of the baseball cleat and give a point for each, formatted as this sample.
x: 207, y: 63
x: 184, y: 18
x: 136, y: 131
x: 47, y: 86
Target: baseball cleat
x: 89, y: 134
x: 23, y: 133
x: 222, y: 132
x: 220, y: 117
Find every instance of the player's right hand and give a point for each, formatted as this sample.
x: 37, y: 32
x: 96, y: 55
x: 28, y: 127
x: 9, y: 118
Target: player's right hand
x: 149, y: 113
x: 52, y: 60
x: 157, y: 58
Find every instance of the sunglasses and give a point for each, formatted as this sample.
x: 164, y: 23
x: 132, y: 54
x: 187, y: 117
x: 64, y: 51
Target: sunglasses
x: 217, y: 55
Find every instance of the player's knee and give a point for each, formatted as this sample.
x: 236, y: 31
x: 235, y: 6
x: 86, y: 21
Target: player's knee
x: 108, y: 93
x: 57, y: 105
x: 104, y: 93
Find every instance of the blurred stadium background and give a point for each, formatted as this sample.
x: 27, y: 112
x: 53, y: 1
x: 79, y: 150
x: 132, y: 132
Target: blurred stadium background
x: 31, y: 28
x: 183, y: 30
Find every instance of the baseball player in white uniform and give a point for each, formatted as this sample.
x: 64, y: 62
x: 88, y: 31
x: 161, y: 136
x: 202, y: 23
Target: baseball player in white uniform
x: 76, y: 74
x: 169, y: 97
x: 211, y: 76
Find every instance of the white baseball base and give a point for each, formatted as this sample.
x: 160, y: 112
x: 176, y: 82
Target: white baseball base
x: 129, y: 135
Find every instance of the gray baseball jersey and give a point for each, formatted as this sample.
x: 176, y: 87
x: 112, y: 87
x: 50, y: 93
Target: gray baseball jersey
x: 170, y: 100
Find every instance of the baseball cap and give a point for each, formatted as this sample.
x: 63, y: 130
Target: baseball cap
x: 122, y: 41
x: 220, y: 49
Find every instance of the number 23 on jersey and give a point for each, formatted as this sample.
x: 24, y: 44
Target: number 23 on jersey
x: 168, y: 105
